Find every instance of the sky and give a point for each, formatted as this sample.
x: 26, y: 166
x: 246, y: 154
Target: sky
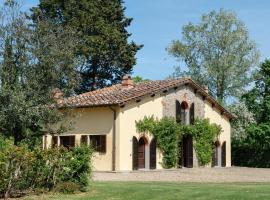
x: 157, y: 22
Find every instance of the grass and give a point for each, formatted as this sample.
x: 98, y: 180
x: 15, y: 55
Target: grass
x: 166, y: 191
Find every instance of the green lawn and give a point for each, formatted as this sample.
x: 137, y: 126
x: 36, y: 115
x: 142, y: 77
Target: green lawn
x: 167, y: 191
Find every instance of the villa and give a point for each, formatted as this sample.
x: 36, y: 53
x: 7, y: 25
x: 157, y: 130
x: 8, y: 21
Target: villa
x: 105, y: 118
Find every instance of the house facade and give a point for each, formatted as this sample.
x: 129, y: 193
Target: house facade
x: 106, y: 118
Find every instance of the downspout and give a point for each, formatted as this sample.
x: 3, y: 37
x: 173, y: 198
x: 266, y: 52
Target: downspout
x: 113, y: 138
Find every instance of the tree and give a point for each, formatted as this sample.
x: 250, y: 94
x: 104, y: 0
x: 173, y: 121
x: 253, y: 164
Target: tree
x: 218, y: 53
x: 244, y: 118
x: 256, y: 143
x: 258, y: 98
x: 8, y: 78
x: 101, y: 28
x: 32, y: 65
x: 139, y: 79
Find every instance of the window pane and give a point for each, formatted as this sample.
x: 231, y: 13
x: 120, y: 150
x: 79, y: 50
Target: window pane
x: 84, y: 140
x: 98, y: 142
x: 67, y: 141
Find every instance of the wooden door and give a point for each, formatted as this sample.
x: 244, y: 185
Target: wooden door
x: 141, y: 154
x: 187, y: 151
x: 223, y: 155
x: 215, y: 156
x: 153, y: 149
x: 135, y: 153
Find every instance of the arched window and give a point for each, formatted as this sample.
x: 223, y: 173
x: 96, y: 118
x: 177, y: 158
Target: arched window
x: 191, y: 114
x: 184, y: 110
x: 181, y: 112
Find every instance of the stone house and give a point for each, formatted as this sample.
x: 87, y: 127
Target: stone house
x: 105, y: 118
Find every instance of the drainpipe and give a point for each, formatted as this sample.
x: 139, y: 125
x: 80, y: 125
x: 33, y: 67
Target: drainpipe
x: 113, y: 138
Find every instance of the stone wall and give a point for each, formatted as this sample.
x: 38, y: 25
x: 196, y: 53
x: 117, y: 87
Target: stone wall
x: 184, y: 93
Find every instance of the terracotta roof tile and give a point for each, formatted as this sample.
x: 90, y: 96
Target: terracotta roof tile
x: 118, y: 94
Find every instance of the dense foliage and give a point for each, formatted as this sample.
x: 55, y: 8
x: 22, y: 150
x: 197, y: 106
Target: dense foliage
x: 218, y: 53
x: 22, y: 170
x: 169, y: 133
x: 244, y: 118
x: 258, y: 98
x: 31, y: 67
x: 253, y: 150
x: 204, y: 134
x: 101, y: 29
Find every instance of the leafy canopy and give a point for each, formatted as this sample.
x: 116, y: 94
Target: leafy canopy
x: 244, y: 118
x: 218, y: 53
x: 258, y: 98
x: 32, y: 65
x: 103, y: 48
x: 256, y: 142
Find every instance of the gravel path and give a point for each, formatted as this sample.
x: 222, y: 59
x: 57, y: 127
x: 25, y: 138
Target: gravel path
x: 232, y: 174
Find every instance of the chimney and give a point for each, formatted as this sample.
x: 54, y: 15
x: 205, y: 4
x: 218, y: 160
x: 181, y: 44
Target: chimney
x: 127, y: 81
x: 205, y: 87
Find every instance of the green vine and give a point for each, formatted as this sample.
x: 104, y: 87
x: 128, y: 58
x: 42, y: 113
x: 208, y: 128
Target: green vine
x: 204, y: 135
x: 169, y: 133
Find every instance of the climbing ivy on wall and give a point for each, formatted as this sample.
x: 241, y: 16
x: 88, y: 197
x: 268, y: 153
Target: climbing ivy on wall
x: 169, y: 133
x: 204, y: 135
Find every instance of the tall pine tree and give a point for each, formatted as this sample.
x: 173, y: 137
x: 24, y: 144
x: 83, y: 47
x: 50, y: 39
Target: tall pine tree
x: 101, y: 26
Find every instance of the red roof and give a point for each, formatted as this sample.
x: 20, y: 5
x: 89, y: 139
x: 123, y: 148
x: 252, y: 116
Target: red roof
x: 119, y: 94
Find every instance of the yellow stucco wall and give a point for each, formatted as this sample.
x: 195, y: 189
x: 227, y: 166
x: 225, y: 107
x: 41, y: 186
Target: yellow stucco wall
x: 132, y: 112
x: 93, y: 121
x: 213, y: 114
x: 99, y: 121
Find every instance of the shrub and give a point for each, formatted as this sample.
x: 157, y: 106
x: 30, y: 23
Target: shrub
x: 22, y: 169
x: 15, y: 163
x: 254, y: 149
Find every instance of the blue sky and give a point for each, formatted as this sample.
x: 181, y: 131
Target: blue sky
x: 157, y: 22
